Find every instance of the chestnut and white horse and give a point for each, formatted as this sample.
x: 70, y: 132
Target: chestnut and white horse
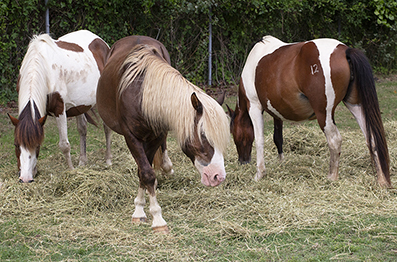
x: 142, y: 97
x: 57, y: 77
x: 305, y: 81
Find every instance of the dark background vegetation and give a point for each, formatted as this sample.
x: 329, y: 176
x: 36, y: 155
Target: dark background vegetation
x: 183, y: 28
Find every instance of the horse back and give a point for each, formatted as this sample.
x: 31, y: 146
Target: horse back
x: 108, y: 102
x: 295, y: 80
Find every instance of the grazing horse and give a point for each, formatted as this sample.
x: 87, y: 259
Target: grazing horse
x: 306, y: 81
x: 142, y: 97
x: 57, y: 77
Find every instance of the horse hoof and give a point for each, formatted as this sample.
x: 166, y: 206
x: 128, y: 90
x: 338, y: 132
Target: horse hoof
x: 161, y: 229
x: 384, y: 184
x: 168, y: 173
x: 136, y: 220
x: 258, y: 176
x: 281, y: 157
x: 332, y: 177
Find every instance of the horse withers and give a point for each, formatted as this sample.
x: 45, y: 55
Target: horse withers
x: 305, y: 81
x: 142, y: 97
x: 57, y: 77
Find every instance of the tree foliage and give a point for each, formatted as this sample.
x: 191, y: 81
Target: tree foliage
x: 182, y: 25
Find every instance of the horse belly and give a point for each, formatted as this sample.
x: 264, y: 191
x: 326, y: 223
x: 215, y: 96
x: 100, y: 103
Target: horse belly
x: 290, y: 110
x: 83, y: 91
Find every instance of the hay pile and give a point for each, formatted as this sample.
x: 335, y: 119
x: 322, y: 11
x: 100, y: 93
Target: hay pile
x: 95, y: 203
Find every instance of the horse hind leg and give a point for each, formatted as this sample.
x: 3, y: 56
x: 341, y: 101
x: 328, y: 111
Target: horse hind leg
x: 334, y: 140
x: 166, y: 164
x: 108, y: 137
x: 358, y: 113
x: 64, y: 144
x: 82, y: 128
x: 278, y: 137
x: 162, y: 161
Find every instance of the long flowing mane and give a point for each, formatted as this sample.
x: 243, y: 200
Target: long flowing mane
x: 166, y: 98
x: 33, y: 79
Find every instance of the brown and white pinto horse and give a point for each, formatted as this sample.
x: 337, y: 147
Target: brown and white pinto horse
x: 57, y: 77
x: 305, y: 81
x: 142, y: 97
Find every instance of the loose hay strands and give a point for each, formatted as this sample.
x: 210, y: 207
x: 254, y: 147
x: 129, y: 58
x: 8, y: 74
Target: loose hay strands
x: 94, y: 204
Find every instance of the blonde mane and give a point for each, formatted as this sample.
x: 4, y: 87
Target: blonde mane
x: 166, y: 99
x: 33, y: 80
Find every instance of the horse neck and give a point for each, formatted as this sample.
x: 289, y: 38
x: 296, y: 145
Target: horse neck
x: 167, y: 103
x: 33, y: 83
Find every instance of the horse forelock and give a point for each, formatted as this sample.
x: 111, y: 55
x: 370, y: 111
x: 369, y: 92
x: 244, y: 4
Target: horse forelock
x: 29, y: 133
x: 166, y: 100
x: 33, y: 74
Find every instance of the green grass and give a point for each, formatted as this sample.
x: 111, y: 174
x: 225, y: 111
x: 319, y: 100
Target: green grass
x: 293, y: 214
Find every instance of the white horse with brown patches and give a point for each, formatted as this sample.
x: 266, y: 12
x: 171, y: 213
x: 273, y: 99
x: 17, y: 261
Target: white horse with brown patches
x: 57, y: 77
x: 306, y: 81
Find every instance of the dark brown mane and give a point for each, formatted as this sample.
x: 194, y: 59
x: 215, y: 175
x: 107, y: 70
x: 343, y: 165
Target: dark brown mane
x: 29, y: 132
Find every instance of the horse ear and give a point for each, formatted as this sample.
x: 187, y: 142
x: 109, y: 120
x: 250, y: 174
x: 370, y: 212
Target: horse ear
x: 221, y: 98
x: 14, y: 120
x: 230, y: 112
x: 196, y: 103
x: 42, y: 120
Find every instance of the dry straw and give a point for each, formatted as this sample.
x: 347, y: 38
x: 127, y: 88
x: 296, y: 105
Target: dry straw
x: 95, y: 203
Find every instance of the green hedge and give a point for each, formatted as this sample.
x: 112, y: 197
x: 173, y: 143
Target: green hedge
x: 183, y: 28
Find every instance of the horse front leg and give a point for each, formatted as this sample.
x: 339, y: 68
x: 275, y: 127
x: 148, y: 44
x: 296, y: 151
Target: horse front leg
x: 64, y: 144
x: 147, y: 180
x: 139, y: 202
x: 255, y: 113
x: 82, y: 128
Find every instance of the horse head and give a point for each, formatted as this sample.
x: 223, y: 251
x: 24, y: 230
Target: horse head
x: 29, y: 135
x: 206, y: 158
x: 243, y: 133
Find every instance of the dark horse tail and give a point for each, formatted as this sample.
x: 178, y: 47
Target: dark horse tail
x: 364, y: 80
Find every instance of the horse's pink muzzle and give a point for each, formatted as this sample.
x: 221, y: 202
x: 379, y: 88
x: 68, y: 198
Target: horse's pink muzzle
x: 213, y: 174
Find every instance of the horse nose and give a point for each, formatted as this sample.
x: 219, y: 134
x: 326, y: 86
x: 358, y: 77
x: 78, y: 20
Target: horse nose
x: 28, y: 181
x: 218, y: 178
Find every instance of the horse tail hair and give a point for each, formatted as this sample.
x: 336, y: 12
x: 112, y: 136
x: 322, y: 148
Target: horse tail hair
x: 90, y: 119
x: 364, y: 80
